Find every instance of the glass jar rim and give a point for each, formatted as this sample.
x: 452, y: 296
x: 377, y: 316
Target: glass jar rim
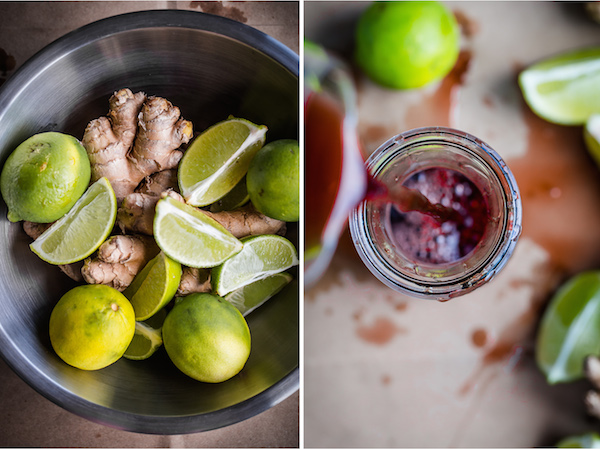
x: 473, y: 277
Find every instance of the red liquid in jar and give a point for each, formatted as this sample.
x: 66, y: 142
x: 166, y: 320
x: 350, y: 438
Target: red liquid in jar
x: 426, y: 238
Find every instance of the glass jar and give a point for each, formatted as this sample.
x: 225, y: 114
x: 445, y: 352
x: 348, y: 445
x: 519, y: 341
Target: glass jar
x: 405, y: 156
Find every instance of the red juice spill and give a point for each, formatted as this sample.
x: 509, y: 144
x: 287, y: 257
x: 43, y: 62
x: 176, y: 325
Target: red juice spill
x: 427, y: 238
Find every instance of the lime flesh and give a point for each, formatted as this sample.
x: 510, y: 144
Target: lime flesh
x: 82, y: 230
x: 564, y: 89
x: 154, y: 286
x: 91, y: 326
x: 218, y: 159
x: 570, y: 329
x: 191, y: 237
x: 248, y: 298
x: 147, y: 338
x: 207, y: 338
x: 262, y: 256
x: 44, y: 177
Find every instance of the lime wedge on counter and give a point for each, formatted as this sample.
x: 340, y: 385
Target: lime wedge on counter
x: 236, y: 197
x: 80, y: 232
x: 218, y: 159
x: 262, y: 256
x: 251, y: 296
x: 154, y: 286
x: 570, y: 329
x: 589, y: 440
x: 564, y: 89
x: 147, y: 337
x: 190, y: 237
x: 591, y: 136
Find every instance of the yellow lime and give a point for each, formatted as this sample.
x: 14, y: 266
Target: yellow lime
x: 207, y: 338
x: 564, y: 89
x: 91, y: 326
x: 273, y: 180
x: 190, y: 237
x: 82, y: 230
x: 44, y: 176
x: 251, y: 296
x: 154, y: 286
x: 407, y: 45
x: 218, y: 159
x: 588, y: 440
x: 570, y: 329
x: 262, y: 256
x: 147, y: 338
x: 236, y: 197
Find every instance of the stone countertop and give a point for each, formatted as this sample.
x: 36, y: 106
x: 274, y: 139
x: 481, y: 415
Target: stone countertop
x: 386, y: 370
x: 30, y: 420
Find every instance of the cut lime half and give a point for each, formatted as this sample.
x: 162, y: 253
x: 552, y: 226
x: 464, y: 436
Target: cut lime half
x: 564, y: 89
x: 218, y: 159
x: 82, y: 230
x: 262, y: 256
x: 190, y: 237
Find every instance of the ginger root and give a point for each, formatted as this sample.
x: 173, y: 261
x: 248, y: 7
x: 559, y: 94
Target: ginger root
x: 136, y: 214
x: 119, y: 259
x: 194, y: 280
x: 140, y: 136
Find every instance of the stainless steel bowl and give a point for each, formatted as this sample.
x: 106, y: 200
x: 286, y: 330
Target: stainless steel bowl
x: 210, y: 67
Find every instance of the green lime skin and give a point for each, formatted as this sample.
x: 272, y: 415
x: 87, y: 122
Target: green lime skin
x: 405, y: 45
x: 206, y: 337
x: 91, y: 326
x: 44, y: 177
x: 273, y: 180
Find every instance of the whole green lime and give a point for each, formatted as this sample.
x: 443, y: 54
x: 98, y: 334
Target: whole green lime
x: 206, y: 337
x: 273, y: 180
x: 91, y: 326
x: 44, y: 177
x: 406, y: 45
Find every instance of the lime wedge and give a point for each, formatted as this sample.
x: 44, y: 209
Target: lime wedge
x: 591, y: 136
x: 236, y: 197
x: 589, y: 440
x: 564, y: 89
x: 147, y: 338
x: 190, y: 237
x: 251, y: 296
x: 154, y: 286
x: 80, y: 232
x: 262, y: 256
x: 218, y: 159
x: 570, y: 329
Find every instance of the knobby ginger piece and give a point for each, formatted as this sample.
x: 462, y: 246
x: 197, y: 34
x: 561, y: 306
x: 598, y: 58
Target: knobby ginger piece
x: 119, y: 260
x: 140, y: 136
